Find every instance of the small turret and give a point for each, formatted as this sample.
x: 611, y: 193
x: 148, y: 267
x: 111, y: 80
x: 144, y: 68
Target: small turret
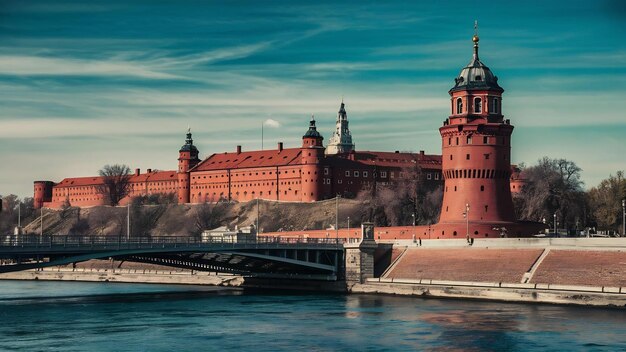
x: 312, y: 138
x: 187, y: 159
x: 312, y: 158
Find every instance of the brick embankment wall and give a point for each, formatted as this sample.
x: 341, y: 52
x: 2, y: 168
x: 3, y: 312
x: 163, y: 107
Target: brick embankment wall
x: 470, y: 264
x: 589, y: 268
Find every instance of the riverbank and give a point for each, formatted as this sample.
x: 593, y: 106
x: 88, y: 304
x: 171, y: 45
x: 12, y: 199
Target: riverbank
x: 146, y: 276
x: 589, y: 272
x: 524, y: 293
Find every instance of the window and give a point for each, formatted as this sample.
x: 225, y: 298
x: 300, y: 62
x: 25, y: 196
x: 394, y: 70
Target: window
x: 478, y: 105
x: 436, y: 176
x: 429, y: 176
x: 339, y: 181
x: 449, y: 141
x: 457, y: 140
x: 356, y: 174
x: 486, y: 156
x: 485, y: 140
x: 326, y: 171
x: 364, y: 173
x: 459, y: 106
x: 494, y: 108
x: 467, y: 157
x: 383, y: 174
x: 469, y: 139
x: 482, y: 188
x: 347, y: 173
x: 450, y: 157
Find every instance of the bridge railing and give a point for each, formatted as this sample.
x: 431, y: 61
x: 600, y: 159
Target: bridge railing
x: 93, y: 241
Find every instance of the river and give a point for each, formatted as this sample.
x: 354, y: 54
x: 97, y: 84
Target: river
x: 75, y: 316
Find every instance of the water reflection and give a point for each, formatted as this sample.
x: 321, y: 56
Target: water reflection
x: 164, y: 318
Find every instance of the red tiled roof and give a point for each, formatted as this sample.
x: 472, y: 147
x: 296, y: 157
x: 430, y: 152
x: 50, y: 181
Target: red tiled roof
x: 97, y: 180
x: 260, y: 158
x: 80, y: 181
x: 392, y: 159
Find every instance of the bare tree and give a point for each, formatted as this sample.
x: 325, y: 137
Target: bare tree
x: 115, y: 183
x: 407, y: 196
x: 145, y: 216
x: 552, y: 186
x: 209, y: 216
x: 605, y: 202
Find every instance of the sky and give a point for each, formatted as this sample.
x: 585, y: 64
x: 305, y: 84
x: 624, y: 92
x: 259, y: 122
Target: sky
x: 89, y: 83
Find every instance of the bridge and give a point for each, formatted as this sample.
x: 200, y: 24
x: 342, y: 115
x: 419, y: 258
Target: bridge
x: 264, y: 257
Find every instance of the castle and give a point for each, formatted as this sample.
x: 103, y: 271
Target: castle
x: 307, y: 173
x: 474, y: 167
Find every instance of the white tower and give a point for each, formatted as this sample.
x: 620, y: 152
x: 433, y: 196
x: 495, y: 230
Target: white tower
x: 341, y: 140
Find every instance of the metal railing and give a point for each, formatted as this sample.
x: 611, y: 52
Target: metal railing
x: 110, y: 242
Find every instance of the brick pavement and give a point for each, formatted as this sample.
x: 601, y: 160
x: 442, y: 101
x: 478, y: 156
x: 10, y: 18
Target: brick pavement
x: 590, y: 268
x: 467, y: 264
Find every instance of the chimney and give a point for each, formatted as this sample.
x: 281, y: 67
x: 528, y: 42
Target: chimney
x: 238, y: 149
x: 148, y: 170
x: 421, y: 152
x: 137, y: 172
x: 280, y: 146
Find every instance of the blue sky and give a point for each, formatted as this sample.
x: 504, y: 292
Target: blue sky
x: 87, y: 83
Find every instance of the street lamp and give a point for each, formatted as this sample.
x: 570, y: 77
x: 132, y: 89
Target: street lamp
x: 41, y: 225
x: 414, y: 235
x: 555, y: 223
x: 128, y: 222
x: 337, y: 217
x: 258, y: 212
x: 623, y: 217
x: 348, y: 226
x: 467, y: 209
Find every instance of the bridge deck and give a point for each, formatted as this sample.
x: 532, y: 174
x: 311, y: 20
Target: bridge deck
x: 262, y: 256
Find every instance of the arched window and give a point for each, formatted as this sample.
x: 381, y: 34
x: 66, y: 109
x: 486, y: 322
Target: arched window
x: 495, y: 107
x: 478, y: 105
x: 459, y: 106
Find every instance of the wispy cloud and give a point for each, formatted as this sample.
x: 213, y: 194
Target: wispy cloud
x: 47, y: 66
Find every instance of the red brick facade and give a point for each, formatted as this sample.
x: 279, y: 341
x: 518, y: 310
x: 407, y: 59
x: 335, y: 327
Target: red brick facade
x: 303, y: 174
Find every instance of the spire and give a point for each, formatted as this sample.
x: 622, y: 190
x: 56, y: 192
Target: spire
x: 312, y: 131
x: 475, y: 39
x: 189, y: 140
x: 188, y: 146
x: 341, y: 140
x: 342, y: 115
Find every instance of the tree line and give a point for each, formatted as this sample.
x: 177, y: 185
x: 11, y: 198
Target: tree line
x: 554, y: 186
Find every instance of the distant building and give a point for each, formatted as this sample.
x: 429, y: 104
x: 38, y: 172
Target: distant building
x: 223, y: 234
x: 302, y: 174
x: 341, y: 140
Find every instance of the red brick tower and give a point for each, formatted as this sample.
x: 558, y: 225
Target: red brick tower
x: 187, y: 159
x: 312, y: 156
x: 42, y: 193
x: 476, y: 152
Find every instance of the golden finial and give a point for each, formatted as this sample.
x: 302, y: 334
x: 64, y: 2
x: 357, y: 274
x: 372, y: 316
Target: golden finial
x: 475, y: 38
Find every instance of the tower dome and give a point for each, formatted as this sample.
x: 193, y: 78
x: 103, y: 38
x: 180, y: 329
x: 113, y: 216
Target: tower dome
x: 312, y: 131
x: 188, y: 146
x: 476, y: 75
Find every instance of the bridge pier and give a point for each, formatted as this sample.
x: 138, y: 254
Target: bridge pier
x: 360, y: 257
